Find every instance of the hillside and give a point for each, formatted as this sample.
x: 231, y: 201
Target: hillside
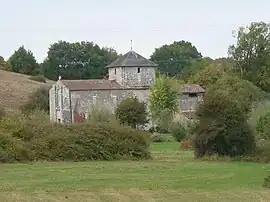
x: 15, y: 89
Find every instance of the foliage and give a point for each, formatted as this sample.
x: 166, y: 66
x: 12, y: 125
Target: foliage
x: 266, y: 182
x: 263, y: 125
x: 100, y: 114
x: 259, y: 110
x: 132, y: 112
x: 157, y: 137
x: 244, y: 91
x: 23, y: 61
x: 251, y: 54
x: 4, y: 65
x: 39, y: 100
x: 172, y: 59
x: 38, y: 78
x: 2, y: 112
x: 79, y: 60
x: 208, y: 75
x: 178, y: 131
x: 33, y: 138
x: 222, y: 128
x: 163, y: 100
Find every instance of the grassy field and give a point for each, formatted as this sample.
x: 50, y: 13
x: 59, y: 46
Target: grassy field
x: 172, y: 175
x: 15, y: 89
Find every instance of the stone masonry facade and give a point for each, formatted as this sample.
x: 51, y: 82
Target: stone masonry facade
x: 130, y: 75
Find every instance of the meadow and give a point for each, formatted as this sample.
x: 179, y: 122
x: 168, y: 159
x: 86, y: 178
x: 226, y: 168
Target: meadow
x: 172, y: 175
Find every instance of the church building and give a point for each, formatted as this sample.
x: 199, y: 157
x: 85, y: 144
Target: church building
x: 129, y: 75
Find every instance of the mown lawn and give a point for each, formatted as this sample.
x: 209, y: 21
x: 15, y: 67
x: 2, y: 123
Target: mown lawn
x: 172, y: 175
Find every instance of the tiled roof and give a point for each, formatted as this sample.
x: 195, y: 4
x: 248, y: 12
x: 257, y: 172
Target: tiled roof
x: 94, y: 84
x: 131, y: 59
x: 191, y: 88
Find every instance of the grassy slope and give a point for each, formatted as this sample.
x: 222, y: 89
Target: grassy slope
x: 172, y: 176
x: 15, y: 89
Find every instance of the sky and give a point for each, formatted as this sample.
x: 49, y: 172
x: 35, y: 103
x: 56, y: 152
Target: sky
x: 207, y: 24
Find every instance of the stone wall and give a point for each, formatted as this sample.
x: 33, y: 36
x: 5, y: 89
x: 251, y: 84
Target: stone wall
x: 188, y: 102
x: 133, y: 76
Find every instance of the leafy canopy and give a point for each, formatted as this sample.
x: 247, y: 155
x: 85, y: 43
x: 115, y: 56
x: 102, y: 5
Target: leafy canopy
x: 79, y: 60
x: 23, y: 61
x: 132, y: 112
x: 252, y: 54
x: 172, y: 59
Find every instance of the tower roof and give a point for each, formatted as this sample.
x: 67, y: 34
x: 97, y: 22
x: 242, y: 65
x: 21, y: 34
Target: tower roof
x: 131, y: 59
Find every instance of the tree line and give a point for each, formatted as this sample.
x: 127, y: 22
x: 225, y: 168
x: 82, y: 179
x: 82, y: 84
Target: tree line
x: 249, y: 58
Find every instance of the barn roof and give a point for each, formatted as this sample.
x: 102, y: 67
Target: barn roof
x: 192, y: 88
x: 131, y: 59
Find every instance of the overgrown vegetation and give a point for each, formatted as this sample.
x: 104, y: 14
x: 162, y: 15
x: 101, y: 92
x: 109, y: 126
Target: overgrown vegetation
x: 34, y: 138
x: 132, y: 112
x: 39, y: 100
x: 38, y: 78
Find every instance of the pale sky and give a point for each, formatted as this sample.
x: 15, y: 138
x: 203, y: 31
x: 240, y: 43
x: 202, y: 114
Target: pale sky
x: 207, y: 24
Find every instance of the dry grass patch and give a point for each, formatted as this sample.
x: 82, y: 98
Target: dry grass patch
x: 15, y: 89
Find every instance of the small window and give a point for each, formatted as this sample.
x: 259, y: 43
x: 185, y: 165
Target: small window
x: 115, y: 71
x: 59, y: 120
x: 139, y: 69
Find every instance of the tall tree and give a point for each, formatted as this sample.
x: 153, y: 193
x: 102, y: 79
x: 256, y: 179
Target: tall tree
x: 251, y: 54
x: 23, y: 61
x: 80, y: 60
x: 172, y: 59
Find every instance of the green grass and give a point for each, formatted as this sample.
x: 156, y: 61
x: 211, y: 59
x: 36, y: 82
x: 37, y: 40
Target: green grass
x: 172, y: 175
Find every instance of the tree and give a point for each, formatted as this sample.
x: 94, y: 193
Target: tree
x: 132, y: 112
x: 251, y: 54
x: 79, y: 60
x: 222, y: 128
x: 163, y: 100
x: 172, y: 59
x: 208, y: 75
x: 23, y: 61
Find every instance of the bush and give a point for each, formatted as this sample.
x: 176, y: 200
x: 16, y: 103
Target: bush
x: 266, y: 182
x: 178, y: 131
x: 132, y: 112
x: 263, y: 126
x: 38, y: 78
x: 156, y: 137
x: 222, y: 128
x: 100, y: 114
x: 2, y: 112
x: 33, y: 138
x: 39, y: 100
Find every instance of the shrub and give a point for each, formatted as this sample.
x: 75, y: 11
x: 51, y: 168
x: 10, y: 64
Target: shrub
x: 100, y: 114
x: 32, y: 137
x: 132, y: 112
x: 222, y: 127
x: 2, y: 112
x: 178, y: 131
x: 266, y: 182
x: 263, y: 126
x: 38, y: 78
x: 156, y: 137
x: 39, y: 100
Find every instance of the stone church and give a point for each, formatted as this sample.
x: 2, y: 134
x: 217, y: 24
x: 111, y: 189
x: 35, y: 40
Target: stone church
x: 129, y: 75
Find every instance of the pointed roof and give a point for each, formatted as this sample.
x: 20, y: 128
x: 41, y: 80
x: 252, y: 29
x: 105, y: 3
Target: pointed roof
x: 131, y: 59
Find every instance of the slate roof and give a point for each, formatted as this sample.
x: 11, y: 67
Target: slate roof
x: 131, y: 59
x: 93, y: 84
x: 192, y: 88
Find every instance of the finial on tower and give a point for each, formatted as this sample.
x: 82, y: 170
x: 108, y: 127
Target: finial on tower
x: 131, y: 45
